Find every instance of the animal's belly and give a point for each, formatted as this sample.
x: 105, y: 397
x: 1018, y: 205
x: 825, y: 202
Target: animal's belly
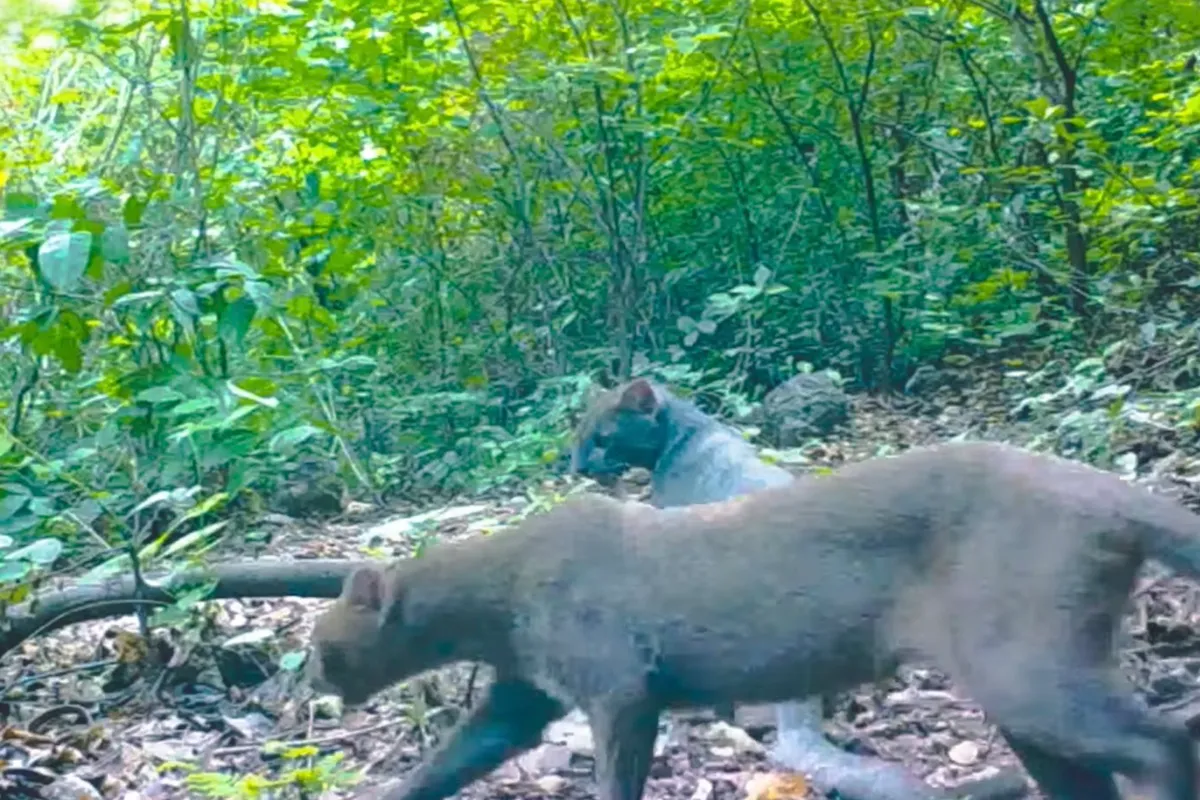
x: 745, y: 669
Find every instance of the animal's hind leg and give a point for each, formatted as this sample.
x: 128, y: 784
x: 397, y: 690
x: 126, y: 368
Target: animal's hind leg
x: 1073, y: 727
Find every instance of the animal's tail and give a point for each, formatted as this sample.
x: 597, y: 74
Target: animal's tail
x: 1171, y: 533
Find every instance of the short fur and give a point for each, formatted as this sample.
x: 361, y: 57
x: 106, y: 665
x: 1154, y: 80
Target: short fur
x: 694, y: 458
x: 1009, y: 570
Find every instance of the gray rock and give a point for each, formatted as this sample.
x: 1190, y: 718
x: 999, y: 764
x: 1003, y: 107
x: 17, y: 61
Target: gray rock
x: 806, y: 406
x: 71, y: 787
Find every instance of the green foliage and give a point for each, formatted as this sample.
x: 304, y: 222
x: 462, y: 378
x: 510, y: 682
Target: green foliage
x: 397, y: 241
x: 1102, y: 410
x: 309, y: 778
x: 245, y: 244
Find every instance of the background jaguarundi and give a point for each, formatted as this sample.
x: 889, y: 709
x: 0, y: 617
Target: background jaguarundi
x: 1007, y: 569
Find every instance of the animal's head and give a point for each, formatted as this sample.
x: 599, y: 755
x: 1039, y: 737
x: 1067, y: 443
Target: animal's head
x: 622, y: 428
x: 358, y: 642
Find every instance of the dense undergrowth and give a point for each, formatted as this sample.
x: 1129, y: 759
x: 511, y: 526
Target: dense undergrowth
x: 244, y: 244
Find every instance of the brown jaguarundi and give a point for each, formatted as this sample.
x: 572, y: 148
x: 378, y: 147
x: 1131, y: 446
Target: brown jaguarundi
x: 694, y: 458
x: 1008, y: 570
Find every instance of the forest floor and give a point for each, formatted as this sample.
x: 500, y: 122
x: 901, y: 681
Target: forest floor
x: 117, y: 735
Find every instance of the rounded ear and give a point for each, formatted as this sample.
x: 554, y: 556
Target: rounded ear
x: 365, y: 588
x: 639, y: 395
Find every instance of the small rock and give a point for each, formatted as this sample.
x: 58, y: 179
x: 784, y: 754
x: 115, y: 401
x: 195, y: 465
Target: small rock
x: 552, y: 784
x: 547, y: 758
x: 704, y: 790
x: 964, y: 753
x: 71, y: 787
x: 722, y: 734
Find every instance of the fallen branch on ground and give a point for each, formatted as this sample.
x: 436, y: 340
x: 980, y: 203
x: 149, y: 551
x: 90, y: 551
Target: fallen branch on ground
x: 115, y: 597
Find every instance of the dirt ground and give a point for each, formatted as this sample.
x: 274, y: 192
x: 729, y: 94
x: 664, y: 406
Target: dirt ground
x: 80, y: 721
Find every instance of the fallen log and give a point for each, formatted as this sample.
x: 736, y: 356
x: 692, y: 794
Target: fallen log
x: 115, y: 597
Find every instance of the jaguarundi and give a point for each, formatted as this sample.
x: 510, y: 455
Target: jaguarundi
x: 1008, y: 570
x: 694, y: 458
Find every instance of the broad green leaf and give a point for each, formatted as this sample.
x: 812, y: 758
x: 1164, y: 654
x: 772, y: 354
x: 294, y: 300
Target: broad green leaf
x: 13, y: 503
x: 19, y: 523
x: 20, y: 203
x: 293, y: 436
x: 158, y: 395
x: 194, y: 406
x: 42, y: 552
x: 106, y: 569
x: 14, y: 571
x: 184, y: 302
x: 114, y: 244
x: 132, y: 211
x: 236, y: 318
x: 63, y: 257
x: 9, y: 228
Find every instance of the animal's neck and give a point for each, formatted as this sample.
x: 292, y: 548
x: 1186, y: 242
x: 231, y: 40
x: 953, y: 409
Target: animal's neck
x: 683, y: 421
x: 684, y: 424
x: 459, y: 601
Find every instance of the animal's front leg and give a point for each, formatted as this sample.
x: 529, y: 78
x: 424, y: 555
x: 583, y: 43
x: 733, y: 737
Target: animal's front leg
x: 509, y: 721
x: 623, y: 733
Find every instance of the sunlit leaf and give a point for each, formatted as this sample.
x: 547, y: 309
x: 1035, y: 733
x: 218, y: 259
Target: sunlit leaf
x: 63, y: 257
x: 42, y: 552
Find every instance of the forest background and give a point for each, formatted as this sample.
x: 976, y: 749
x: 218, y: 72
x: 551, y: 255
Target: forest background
x: 249, y: 244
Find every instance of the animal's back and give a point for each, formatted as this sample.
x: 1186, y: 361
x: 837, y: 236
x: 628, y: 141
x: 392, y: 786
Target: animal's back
x: 747, y: 591
x: 842, y: 570
x: 912, y: 555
